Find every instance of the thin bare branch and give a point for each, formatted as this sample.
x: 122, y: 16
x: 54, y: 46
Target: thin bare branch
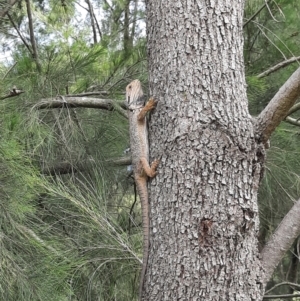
x: 278, y: 66
x: 287, y: 296
x: 281, y: 241
x: 67, y: 168
x: 11, y: 68
x: 19, y: 33
x: 292, y: 121
x: 81, y: 102
x: 99, y: 93
x: 255, y: 14
x: 294, y: 108
x: 278, y: 107
x: 281, y: 284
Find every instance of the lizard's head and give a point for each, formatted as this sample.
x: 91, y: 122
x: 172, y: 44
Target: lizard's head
x: 134, y: 95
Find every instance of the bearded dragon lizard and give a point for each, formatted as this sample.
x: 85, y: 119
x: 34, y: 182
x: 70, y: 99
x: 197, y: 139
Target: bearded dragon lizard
x: 140, y: 158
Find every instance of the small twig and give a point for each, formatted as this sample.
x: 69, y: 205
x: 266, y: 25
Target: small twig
x: 100, y: 93
x: 292, y: 121
x: 278, y: 66
x: 294, y: 109
x: 255, y: 14
x: 19, y: 33
x: 281, y: 296
x: 282, y: 283
x: 9, y: 70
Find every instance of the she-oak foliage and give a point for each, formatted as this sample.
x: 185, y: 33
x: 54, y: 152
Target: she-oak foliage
x: 61, y: 231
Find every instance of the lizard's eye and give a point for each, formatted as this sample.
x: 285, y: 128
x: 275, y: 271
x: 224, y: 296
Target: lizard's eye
x: 129, y: 87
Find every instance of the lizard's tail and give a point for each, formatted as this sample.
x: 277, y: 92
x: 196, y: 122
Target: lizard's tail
x: 143, y: 193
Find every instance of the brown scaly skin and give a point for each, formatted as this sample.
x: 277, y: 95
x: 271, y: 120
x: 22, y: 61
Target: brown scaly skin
x: 140, y: 158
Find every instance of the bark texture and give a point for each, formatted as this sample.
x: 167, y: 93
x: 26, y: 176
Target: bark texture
x: 204, y: 214
x: 278, y: 107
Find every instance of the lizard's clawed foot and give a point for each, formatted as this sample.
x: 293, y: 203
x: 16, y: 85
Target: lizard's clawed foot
x: 151, y: 104
x: 153, y: 167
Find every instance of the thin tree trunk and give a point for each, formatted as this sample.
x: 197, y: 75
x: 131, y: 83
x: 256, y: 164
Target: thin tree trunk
x: 91, y: 12
x: 32, y: 38
x: 134, y: 19
x: 204, y: 210
x: 126, y: 38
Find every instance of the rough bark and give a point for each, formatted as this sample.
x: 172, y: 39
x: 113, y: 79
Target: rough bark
x: 204, y: 211
x: 127, y: 44
x: 278, y: 107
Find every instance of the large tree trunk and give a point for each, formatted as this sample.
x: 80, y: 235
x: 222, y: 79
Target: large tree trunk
x: 204, y: 214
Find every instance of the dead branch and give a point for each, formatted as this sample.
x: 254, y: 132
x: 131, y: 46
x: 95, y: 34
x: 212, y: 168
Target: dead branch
x: 281, y: 241
x: 278, y: 107
x: 278, y: 66
x: 296, y: 285
x: 81, y: 102
x: 292, y: 121
x: 294, y: 109
x: 13, y: 92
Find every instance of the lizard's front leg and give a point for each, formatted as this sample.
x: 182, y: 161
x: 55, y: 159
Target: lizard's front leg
x: 150, y: 170
x: 150, y: 105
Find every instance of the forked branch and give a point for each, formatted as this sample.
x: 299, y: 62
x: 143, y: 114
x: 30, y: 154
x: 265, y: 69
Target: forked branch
x: 278, y: 107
